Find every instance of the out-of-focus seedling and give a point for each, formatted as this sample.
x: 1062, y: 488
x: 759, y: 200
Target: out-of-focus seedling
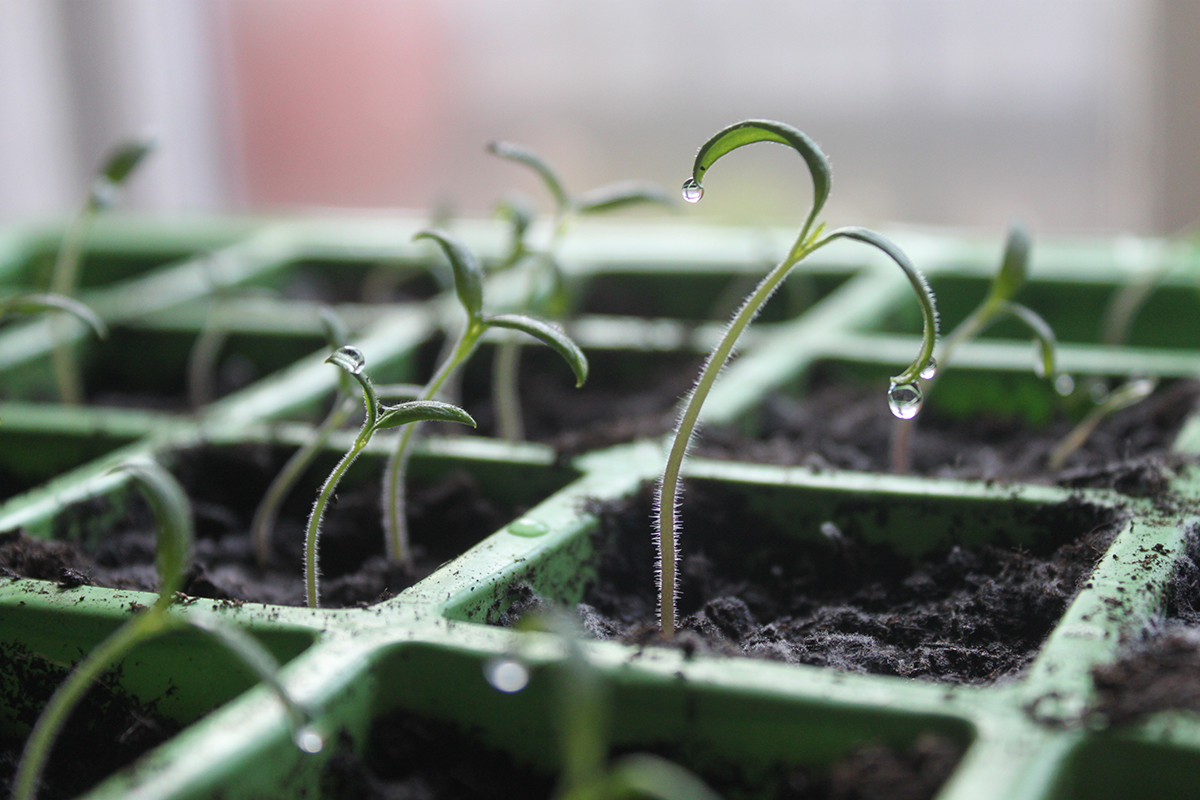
x: 378, y: 417
x: 584, y: 708
x: 173, y: 515
x: 996, y: 305
x: 64, y: 280
x: 547, y: 294
x: 468, y: 285
x: 1127, y: 394
x: 903, y: 394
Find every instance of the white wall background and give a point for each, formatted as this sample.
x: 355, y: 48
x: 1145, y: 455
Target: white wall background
x: 1075, y: 114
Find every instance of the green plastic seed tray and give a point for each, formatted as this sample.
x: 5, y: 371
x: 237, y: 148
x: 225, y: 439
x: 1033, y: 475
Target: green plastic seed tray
x: 963, y: 703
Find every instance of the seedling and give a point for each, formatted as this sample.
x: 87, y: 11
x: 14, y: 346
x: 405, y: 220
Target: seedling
x: 995, y: 306
x: 543, y: 266
x: 173, y: 515
x: 468, y: 286
x: 1127, y: 394
x: 583, y: 729
x: 378, y: 417
x: 344, y: 403
x: 64, y: 279
x: 903, y: 388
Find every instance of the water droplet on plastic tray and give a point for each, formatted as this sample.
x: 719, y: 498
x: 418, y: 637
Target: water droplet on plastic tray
x: 904, y: 399
x: 692, y: 191
x: 528, y: 527
x: 506, y: 674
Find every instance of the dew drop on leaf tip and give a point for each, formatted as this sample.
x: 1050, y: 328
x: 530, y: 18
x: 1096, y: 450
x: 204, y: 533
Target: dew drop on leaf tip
x: 692, y: 191
x: 904, y: 399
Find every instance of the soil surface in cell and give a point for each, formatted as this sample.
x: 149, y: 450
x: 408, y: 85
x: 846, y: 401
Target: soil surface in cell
x: 224, y: 485
x: 967, y: 614
x: 842, y: 425
x: 108, y: 730
x: 1160, y: 670
x: 411, y: 758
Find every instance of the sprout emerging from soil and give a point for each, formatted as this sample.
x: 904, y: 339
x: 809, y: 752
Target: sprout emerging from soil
x: 547, y: 293
x: 173, y: 514
x: 810, y: 239
x: 995, y: 306
x: 120, y: 164
x: 468, y: 285
x: 378, y: 417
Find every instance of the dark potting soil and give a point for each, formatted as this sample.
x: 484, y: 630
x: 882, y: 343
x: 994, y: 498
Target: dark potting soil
x: 108, y: 730
x: 969, y: 614
x: 849, y: 426
x: 413, y: 758
x: 225, y: 485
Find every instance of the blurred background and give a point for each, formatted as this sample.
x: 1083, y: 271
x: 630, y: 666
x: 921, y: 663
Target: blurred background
x: 1081, y: 116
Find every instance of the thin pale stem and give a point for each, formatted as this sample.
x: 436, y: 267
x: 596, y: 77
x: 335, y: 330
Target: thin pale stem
x: 395, y: 524
x: 64, y: 280
x: 202, y: 364
x: 505, y: 395
x: 669, y: 486
x: 267, y: 512
x: 311, y: 571
x: 71, y: 691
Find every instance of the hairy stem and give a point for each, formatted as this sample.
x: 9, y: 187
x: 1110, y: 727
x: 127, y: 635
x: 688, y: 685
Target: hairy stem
x: 311, y: 571
x: 267, y: 512
x: 667, y: 498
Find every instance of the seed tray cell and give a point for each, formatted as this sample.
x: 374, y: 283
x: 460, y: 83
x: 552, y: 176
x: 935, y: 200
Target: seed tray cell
x: 653, y: 298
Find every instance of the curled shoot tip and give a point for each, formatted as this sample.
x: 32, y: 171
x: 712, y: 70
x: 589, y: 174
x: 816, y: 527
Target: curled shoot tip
x: 924, y: 294
x: 751, y: 131
x: 37, y: 302
x: 523, y: 155
x: 468, y: 272
x: 1043, y: 337
x: 621, y: 195
x: 173, y: 513
x: 551, y: 335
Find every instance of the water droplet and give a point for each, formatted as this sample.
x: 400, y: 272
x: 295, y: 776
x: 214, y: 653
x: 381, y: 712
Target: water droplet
x: 349, y: 358
x: 506, y: 674
x: 692, y: 191
x: 308, y: 740
x: 1064, y: 384
x: 930, y: 370
x: 1098, y: 392
x: 1039, y: 359
x: 528, y: 527
x: 904, y: 399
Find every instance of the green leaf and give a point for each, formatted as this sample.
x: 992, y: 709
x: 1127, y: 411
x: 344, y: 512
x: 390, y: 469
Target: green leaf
x: 421, y: 411
x: 36, y: 303
x: 920, y: 286
x: 1015, y: 265
x: 551, y: 335
x: 468, y: 272
x: 124, y: 159
x: 620, y: 195
x: 762, y: 130
x: 173, y: 513
x: 523, y: 155
x: 1043, y: 334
